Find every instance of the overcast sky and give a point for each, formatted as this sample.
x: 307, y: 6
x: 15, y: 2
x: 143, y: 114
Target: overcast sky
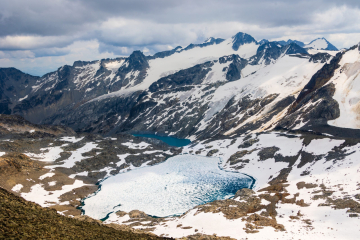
x: 38, y: 36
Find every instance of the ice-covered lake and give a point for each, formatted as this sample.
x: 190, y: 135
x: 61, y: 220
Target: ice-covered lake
x: 170, y: 188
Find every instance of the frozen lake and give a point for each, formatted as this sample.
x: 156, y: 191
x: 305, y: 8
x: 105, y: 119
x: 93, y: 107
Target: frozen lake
x: 170, y: 188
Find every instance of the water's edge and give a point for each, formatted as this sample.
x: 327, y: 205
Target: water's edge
x: 171, y: 141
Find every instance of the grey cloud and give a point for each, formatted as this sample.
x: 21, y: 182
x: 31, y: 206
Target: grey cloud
x: 156, y: 24
x: 53, y: 18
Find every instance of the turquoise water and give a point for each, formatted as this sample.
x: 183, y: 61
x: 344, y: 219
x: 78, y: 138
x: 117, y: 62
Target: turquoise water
x: 175, y: 142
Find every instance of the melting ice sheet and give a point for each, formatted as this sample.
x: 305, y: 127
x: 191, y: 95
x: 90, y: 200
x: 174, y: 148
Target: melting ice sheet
x: 169, y: 188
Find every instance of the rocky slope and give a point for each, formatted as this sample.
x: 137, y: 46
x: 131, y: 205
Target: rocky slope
x: 285, y: 114
x: 22, y: 219
x: 203, y: 90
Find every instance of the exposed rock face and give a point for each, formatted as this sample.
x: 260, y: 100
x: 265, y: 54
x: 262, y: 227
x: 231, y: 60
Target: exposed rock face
x: 241, y: 39
x: 234, y: 69
x: 103, y: 96
x: 14, y: 85
x: 266, y: 53
x: 132, y: 72
x: 210, y: 41
x: 244, y: 193
x: 165, y: 53
x: 318, y: 80
x: 320, y: 57
x: 284, y: 43
x: 191, y: 76
x: 293, y: 48
x: 10, y: 124
x: 319, y: 95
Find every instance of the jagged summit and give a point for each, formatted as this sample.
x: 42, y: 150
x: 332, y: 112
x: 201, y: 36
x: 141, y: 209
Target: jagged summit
x: 138, y: 60
x: 321, y: 44
x: 214, y: 40
x: 241, y: 39
x: 263, y: 41
x: 284, y: 43
x: 293, y: 48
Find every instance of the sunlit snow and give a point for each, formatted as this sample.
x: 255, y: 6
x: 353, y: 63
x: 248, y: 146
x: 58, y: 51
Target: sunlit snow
x: 170, y: 188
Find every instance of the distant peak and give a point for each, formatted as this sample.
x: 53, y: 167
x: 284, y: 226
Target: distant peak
x: 212, y: 40
x: 284, y: 43
x: 240, y: 39
x: 263, y: 41
x: 321, y: 44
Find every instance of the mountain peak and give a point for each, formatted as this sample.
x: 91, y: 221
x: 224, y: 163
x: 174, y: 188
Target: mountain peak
x: 138, y: 60
x: 263, y: 41
x: 240, y: 39
x: 212, y: 40
x: 294, y: 48
x: 321, y: 44
x: 284, y: 43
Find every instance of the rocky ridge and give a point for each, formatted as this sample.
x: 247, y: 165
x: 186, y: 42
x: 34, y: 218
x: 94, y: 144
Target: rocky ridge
x: 286, y: 115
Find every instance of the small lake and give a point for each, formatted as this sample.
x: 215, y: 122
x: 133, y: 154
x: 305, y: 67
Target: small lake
x: 169, y: 188
x: 172, y: 141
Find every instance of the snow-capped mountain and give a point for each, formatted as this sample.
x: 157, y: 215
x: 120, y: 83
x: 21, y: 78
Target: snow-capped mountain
x: 219, y: 87
x: 283, y: 43
x: 320, y: 44
x: 287, y: 116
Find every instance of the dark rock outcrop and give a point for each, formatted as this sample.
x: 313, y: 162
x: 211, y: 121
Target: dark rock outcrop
x: 241, y: 39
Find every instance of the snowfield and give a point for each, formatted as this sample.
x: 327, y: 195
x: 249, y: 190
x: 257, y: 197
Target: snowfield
x: 275, y: 141
x: 316, y: 219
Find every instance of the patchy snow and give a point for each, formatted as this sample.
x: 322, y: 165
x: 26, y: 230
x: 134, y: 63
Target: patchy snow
x: 78, y: 174
x: 17, y: 188
x: 49, y: 154
x: 205, y: 223
x: 47, y: 175
x: 45, y: 198
x: 2, y: 154
x: 217, y: 74
x: 141, y: 145
x: 86, y: 74
x: 122, y: 159
x: 71, y: 139
x: 53, y: 183
x: 21, y: 99
x: 114, y: 65
x: 319, y: 222
x: 76, y: 156
x: 286, y: 77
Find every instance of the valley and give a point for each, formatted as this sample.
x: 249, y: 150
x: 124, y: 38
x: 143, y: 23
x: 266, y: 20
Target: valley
x: 232, y: 138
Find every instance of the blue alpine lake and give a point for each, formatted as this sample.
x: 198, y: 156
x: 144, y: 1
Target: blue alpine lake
x: 172, y: 141
x: 166, y: 189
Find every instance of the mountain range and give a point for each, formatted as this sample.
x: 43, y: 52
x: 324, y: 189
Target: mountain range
x: 218, y: 87
x: 285, y: 114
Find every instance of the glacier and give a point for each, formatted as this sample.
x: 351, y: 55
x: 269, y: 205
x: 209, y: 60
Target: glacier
x: 170, y: 188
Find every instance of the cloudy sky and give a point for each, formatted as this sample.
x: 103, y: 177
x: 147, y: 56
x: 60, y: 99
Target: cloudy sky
x: 38, y: 36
